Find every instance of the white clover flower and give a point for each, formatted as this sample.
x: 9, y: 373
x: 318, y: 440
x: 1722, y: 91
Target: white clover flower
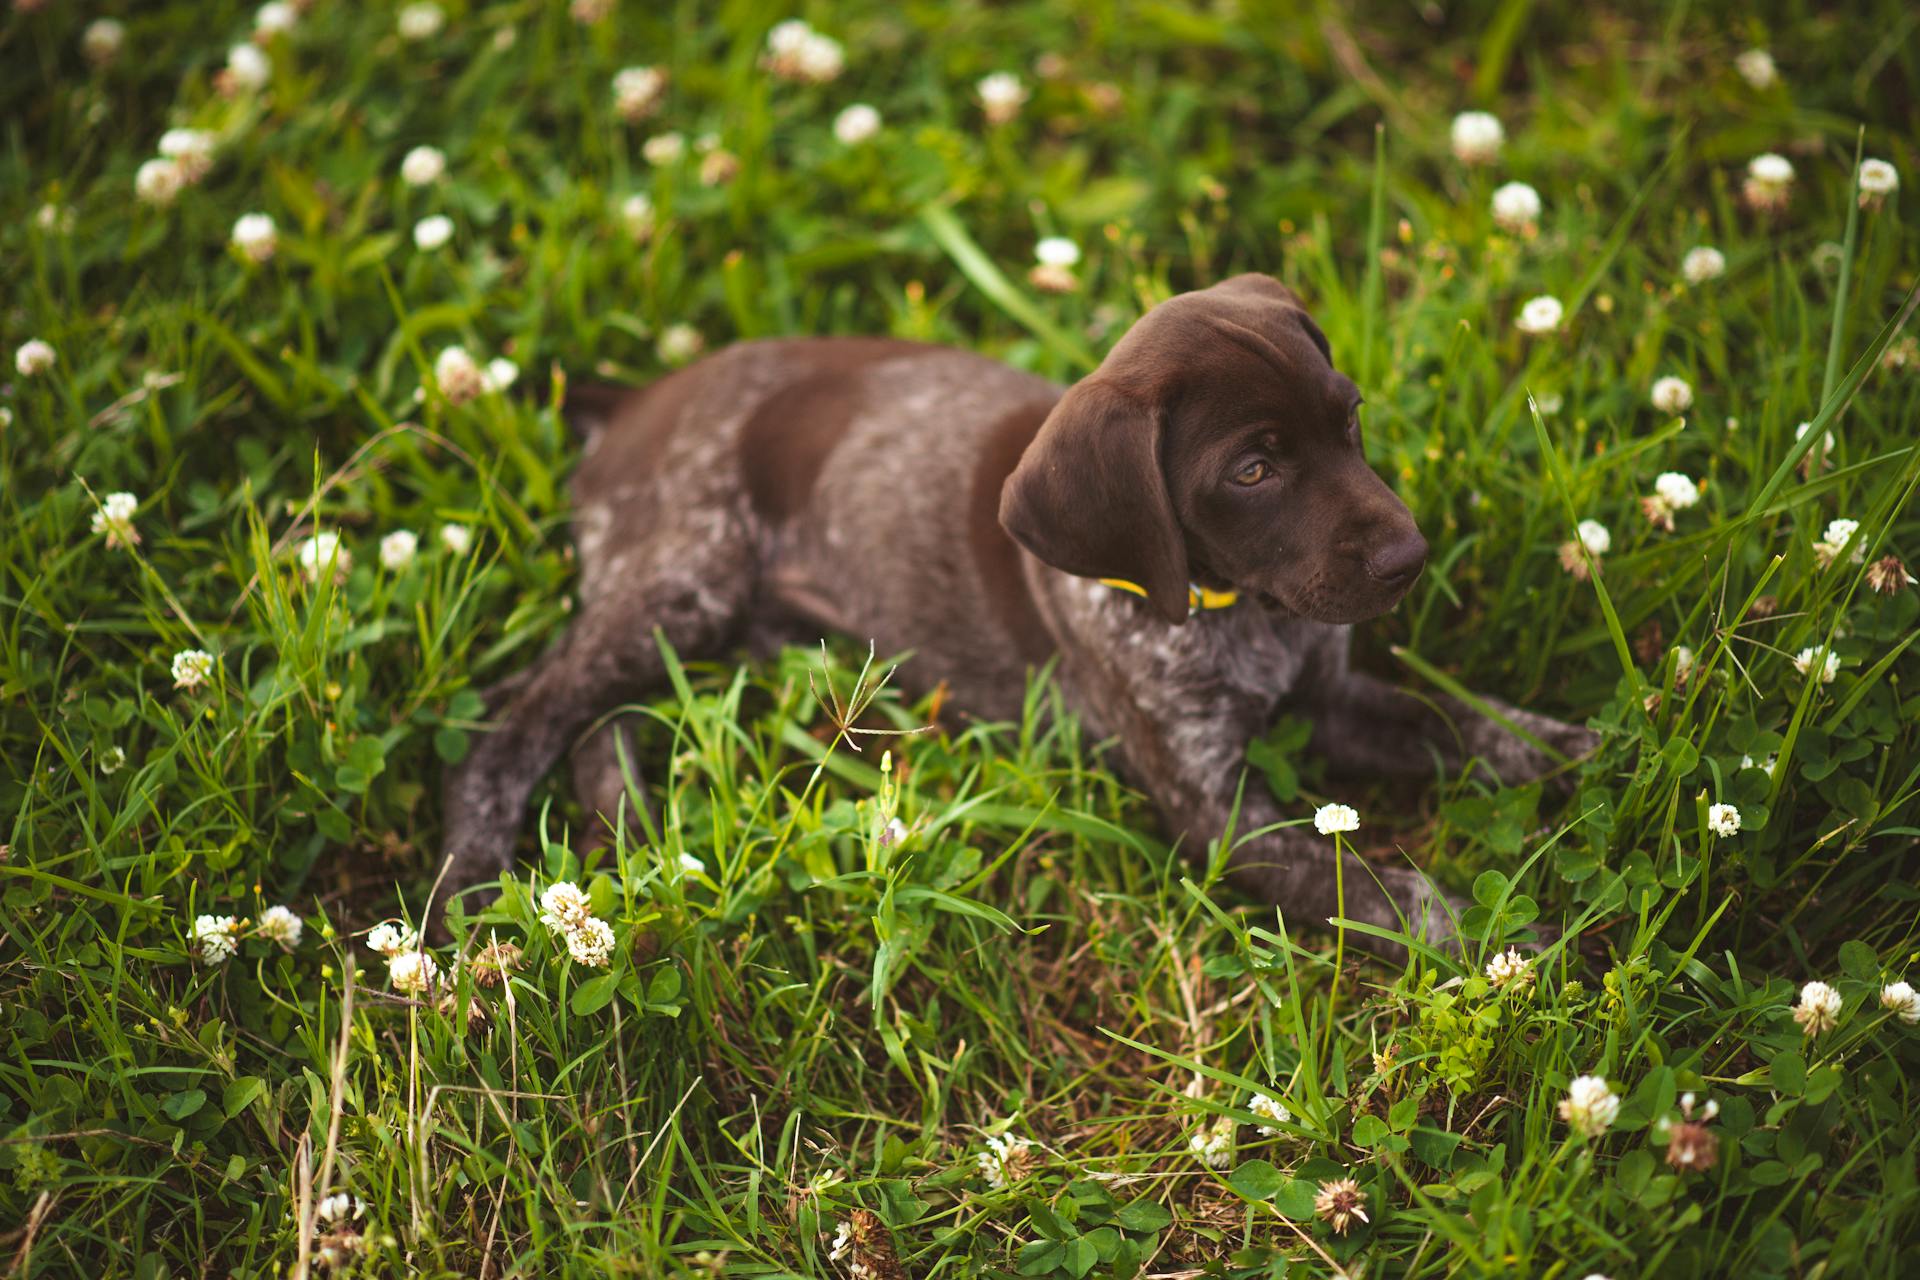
x: 423, y: 166
x: 1833, y: 545
x: 1057, y: 251
x: 1516, y: 206
x: 1672, y: 395
x: 1703, y: 263
x: 785, y: 38
x: 1212, y: 1144
x: 390, y: 938
x: 1769, y: 182
x: 1756, y: 67
x: 248, y: 68
x: 337, y: 1206
x: 637, y: 92
x: 663, y: 149
x: 820, y: 59
x: 192, y: 668
x: 1723, y: 819
x: 1682, y: 663
x: 1331, y: 818
x: 842, y: 1242
x: 414, y: 972
x: 679, y: 343
x: 1901, y: 1000
x: 1819, y: 1008
x: 54, y: 219
x: 1540, y: 315
x: 1766, y: 766
x: 115, y: 519
x: 1510, y: 967
x: 421, y: 21
x: 1001, y: 96
x: 102, y: 39
x: 690, y: 865
x: 1878, y: 180
x: 457, y: 376
x: 432, y: 232
x: 563, y: 906
x: 1589, y: 1107
x: 1828, y: 661
x: 323, y: 549
x: 456, y: 538
x: 500, y: 374
x: 113, y: 760
x: 255, y: 237
x: 34, y: 357
x: 216, y: 938
x: 637, y: 212
x: 158, y: 182
x: 1005, y: 1161
x: 398, y: 548
x: 591, y: 943
x: 191, y: 150
x: 857, y: 124
x: 1269, y: 1109
x: 1476, y: 137
x: 276, y: 18
x: 1594, y: 537
x: 280, y: 925
x: 1676, y: 490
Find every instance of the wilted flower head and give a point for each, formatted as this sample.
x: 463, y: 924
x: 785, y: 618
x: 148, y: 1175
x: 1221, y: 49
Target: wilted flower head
x: 1822, y: 658
x: 1757, y: 69
x: 1703, y: 264
x: 1510, y: 967
x: 102, y: 39
x: 1331, y: 818
x: 637, y: 91
x: 280, y: 925
x: 1878, y: 180
x: 255, y: 236
x: 423, y: 166
x: 1834, y: 543
x: 1769, y: 182
x: 718, y: 167
x: 1339, y: 1202
x: 1271, y: 1109
x: 1819, y: 1008
x: 1006, y: 1161
x: 158, y: 182
x: 192, y: 668
x: 1540, y: 315
x: 1516, y: 206
x: 34, y: 357
x: 590, y: 942
x: 414, y: 972
x: 679, y: 343
x: 1212, y: 1144
x: 857, y: 124
x: 1690, y: 1144
x: 322, y: 550
x: 1723, y: 819
x: 421, y: 21
x: 115, y: 519
x: 1001, y: 96
x: 1476, y: 137
x: 432, y: 232
x: 494, y: 963
x: 215, y: 938
x: 588, y: 12
x: 1590, y: 1106
x: 1887, y: 575
x: 457, y: 376
x: 1672, y: 395
x: 1901, y: 1000
x: 390, y: 938
x: 248, y: 69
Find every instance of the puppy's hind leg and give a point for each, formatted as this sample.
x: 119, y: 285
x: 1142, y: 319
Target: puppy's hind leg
x: 603, y: 765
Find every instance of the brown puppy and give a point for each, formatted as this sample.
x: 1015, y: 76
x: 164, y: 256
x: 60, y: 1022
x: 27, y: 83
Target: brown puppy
x: 930, y: 500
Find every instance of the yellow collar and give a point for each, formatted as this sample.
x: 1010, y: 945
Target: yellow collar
x: 1198, y: 597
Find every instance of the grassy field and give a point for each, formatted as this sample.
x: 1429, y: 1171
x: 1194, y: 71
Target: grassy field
x: 1016, y: 1034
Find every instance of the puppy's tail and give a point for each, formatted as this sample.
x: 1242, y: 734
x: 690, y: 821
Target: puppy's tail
x: 586, y: 406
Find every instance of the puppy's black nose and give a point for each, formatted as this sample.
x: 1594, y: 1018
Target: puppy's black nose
x: 1399, y: 562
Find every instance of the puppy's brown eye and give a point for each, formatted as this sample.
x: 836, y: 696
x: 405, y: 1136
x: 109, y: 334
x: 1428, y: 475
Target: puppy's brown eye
x: 1253, y: 473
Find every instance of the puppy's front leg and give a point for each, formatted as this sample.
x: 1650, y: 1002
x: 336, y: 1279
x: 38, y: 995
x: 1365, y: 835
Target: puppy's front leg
x: 1364, y: 725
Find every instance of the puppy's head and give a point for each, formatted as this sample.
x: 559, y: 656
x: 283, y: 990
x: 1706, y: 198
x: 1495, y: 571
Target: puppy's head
x: 1218, y: 443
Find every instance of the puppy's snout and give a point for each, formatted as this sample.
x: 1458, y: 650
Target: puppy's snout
x: 1399, y: 561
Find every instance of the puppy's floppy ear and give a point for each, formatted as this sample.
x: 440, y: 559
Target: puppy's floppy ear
x: 1279, y: 305
x: 1090, y: 498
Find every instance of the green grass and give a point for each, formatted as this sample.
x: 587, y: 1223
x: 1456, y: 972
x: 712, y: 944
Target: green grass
x: 822, y: 1020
